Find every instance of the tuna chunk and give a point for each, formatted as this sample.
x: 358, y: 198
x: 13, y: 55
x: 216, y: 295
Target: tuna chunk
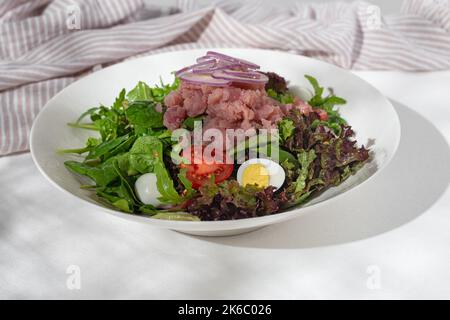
x: 174, y: 116
x: 174, y: 99
x: 233, y: 107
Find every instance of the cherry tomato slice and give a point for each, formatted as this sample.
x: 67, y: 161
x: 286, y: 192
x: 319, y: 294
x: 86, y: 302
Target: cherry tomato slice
x: 205, y: 169
x: 200, y: 173
x: 323, y: 115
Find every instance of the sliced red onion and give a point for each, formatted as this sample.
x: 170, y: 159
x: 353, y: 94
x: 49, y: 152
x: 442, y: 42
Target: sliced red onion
x: 219, y: 66
x: 222, y: 56
x: 204, y: 64
x: 241, y: 77
x: 217, y: 69
x: 205, y: 79
x: 204, y: 58
x: 246, y: 74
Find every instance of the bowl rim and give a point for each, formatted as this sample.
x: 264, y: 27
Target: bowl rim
x: 220, y: 224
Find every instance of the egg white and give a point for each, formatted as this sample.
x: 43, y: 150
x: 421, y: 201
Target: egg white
x: 302, y: 92
x: 147, y: 190
x: 276, y: 172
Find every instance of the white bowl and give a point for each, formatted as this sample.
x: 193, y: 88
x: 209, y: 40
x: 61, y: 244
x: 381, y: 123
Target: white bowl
x: 367, y: 111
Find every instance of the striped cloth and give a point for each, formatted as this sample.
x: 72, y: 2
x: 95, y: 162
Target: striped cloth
x: 45, y: 45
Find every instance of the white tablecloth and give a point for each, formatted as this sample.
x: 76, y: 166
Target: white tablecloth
x: 388, y: 239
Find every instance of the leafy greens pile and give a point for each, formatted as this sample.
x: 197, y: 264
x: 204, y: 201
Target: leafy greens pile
x: 132, y: 142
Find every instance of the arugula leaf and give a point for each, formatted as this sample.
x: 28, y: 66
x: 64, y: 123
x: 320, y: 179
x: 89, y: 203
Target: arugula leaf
x: 120, y: 196
x: 141, y: 92
x: 186, y: 183
x: 140, y: 163
x: 284, y: 98
x: 122, y: 204
x: 165, y: 185
x: 156, y: 94
x: 318, y: 90
x: 143, y: 153
x: 118, y: 104
x: 148, y: 209
x: 143, y: 114
x: 102, y: 175
x: 125, y: 190
x: 88, y: 112
x: 107, y: 149
x: 111, y: 122
x: 109, y: 195
x: 327, y: 103
x: 147, y: 144
x: 150, y: 149
x: 90, y: 144
x: 331, y: 101
x: 161, y: 91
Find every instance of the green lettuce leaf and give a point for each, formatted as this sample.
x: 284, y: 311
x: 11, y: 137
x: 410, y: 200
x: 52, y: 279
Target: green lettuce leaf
x: 286, y: 128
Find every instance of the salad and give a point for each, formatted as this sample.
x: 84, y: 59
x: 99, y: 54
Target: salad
x: 223, y: 141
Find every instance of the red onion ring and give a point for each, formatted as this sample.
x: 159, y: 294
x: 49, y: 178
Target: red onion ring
x: 246, y: 74
x: 240, y: 77
x: 222, y: 56
x: 217, y: 69
x: 203, y: 58
x: 210, y: 62
x: 205, y: 79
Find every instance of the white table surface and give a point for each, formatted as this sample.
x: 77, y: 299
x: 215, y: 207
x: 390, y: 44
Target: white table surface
x: 390, y: 238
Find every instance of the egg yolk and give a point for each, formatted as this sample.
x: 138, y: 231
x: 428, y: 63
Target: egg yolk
x: 256, y: 174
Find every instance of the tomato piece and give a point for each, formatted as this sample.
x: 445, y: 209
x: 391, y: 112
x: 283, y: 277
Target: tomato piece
x: 220, y: 174
x: 204, y: 169
x: 323, y: 115
x: 224, y: 173
x: 199, y: 172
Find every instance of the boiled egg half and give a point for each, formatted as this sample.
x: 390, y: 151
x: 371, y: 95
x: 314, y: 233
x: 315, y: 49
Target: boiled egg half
x: 261, y: 172
x: 147, y: 190
x: 302, y: 92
